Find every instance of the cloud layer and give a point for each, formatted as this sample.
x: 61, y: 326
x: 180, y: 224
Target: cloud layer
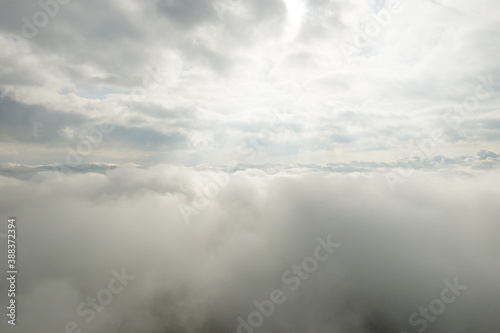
x: 397, y: 249
x: 187, y: 82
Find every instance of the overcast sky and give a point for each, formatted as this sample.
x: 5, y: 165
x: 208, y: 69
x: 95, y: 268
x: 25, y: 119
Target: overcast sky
x: 184, y: 156
x: 191, y: 81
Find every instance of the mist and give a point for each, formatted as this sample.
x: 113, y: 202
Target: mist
x: 256, y: 257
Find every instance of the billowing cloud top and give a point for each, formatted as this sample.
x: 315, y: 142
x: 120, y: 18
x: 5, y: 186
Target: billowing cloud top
x: 347, y: 254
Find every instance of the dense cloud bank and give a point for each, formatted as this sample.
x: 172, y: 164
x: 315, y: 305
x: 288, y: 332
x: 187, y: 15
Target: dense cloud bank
x: 119, y: 237
x: 404, y: 167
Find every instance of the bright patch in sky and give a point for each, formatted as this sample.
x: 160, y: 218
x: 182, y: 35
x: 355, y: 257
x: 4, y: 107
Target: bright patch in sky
x: 296, y: 11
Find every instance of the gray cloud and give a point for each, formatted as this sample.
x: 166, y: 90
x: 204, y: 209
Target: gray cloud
x: 146, y: 139
x: 396, y: 250
x: 187, y: 13
x: 222, y: 71
x: 34, y: 123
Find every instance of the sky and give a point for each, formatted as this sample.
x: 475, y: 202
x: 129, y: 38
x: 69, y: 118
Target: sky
x: 191, y: 82
x: 186, y: 163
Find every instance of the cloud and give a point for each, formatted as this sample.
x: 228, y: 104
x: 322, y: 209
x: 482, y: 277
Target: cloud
x: 306, y: 107
x: 227, y: 66
x: 145, y: 139
x: 35, y: 124
x: 463, y: 165
x: 396, y: 249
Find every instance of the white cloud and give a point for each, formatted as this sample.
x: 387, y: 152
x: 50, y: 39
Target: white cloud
x: 396, y: 249
x: 255, y: 60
